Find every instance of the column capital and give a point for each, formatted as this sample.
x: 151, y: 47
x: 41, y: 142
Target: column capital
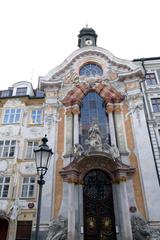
x: 75, y: 110
x: 117, y: 108
x: 109, y: 108
x: 119, y: 179
x: 68, y: 111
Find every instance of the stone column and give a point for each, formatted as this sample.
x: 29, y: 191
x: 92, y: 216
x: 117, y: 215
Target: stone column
x: 71, y: 212
x: 69, y: 131
x: 109, y: 110
x: 75, y: 111
x: 12, y: 227
x: 80, y: 215
x: 119, y: 125
x: 124, y: 228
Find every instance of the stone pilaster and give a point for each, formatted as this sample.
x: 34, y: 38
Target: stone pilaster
x: 69, y: 131
x: 76, y: 111
x: 119, y: 126
x: 123, y: 208
x: 71, y: 212
x: 109, y: 110
x: 12, y: 230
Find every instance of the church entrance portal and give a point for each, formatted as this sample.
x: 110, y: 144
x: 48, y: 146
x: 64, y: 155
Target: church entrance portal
x: 99, y: 221
x: 3, y: 228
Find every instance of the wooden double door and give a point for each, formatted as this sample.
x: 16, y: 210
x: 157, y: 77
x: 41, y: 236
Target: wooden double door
x: 99, y: 222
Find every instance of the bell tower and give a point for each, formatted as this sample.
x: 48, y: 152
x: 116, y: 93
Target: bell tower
x: 87, y: 37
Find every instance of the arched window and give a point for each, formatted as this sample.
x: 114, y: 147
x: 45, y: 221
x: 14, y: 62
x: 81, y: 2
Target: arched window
x: 91, y: 70
x: 93, y: 112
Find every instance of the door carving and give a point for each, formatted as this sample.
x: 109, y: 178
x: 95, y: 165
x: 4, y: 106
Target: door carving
x: 99, y: 223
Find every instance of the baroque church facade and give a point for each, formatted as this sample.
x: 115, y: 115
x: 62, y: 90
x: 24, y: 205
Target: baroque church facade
x: 103, y: 179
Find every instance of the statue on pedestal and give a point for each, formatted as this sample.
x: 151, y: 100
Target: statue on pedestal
x: 142, y: 231
x: 94, y: 138
x: 14, y: 210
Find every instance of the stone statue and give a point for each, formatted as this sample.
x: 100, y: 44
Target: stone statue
x: 141, y: 230
x: 112, y: 150
x: 115, y: 152
x: 14, y: 210
x: 78, y: 150
x: 58, y: 229
x: 94, y: 138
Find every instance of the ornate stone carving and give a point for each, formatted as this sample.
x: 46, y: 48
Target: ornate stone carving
x: 106, y: 91
x: 14, y: 210
x: 58, y: 229
x: 68, y: 111
x: 71, y: 77
x: 3, y: 214
x: 141, y: 230
x: 134, y: 103
x: 109, y: 108
x: 78, y: 150
x: 117, y: 108
x: 75, y: 109
x: 3, y: 166
x: 114, y: 152
x: 94, y: 140
x: 52, y: 118
x: 28, y: 168
x: 77, y: 169
x: 14, y: 103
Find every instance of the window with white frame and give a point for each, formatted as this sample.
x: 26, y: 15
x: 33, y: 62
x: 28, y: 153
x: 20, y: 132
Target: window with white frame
x: 4, y: 186
x: 11, y: 115
x: 36, y: 116
x: 7, y: 148
x: 30, y: 149
x: 155, y: 104
x: 22, y: 91
x: 28, y: 187
x: 151, y: 79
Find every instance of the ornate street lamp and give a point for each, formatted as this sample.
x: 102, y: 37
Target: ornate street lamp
x: 42, y: 156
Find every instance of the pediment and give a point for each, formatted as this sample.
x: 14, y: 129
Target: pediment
x: 106, y: 91
x: 78, y: 168
x: 113, y: 67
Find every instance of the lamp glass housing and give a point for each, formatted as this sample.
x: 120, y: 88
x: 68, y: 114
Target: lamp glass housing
x: 42, y: 155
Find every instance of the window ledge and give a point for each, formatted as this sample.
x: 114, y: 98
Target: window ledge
x: 17, y: 123
x: 28, y: 198
x: 35, y: 124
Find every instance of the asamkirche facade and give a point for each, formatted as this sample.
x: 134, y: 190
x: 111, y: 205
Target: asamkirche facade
x: 103, y: 179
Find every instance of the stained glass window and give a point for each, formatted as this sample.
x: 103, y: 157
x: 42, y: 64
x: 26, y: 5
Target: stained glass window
x: 91, y: 70
x: 93, y: 112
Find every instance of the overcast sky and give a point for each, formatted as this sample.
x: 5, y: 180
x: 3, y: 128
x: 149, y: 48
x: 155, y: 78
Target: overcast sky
x: 37, y: 35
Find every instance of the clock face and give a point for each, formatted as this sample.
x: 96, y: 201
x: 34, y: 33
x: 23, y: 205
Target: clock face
x: 88, y: 42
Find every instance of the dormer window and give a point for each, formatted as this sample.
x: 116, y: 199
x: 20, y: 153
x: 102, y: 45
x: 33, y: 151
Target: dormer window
x: 22, y: 91
x: 91, y: 70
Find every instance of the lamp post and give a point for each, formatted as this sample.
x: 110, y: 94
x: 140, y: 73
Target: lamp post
x: 42, y: 156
